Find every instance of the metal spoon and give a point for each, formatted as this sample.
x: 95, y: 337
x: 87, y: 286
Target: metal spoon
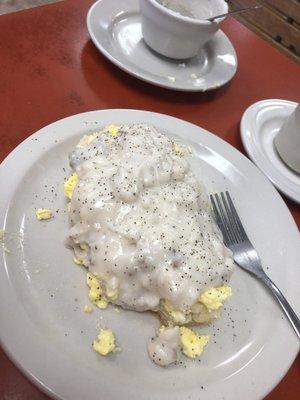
x: 233, y: 12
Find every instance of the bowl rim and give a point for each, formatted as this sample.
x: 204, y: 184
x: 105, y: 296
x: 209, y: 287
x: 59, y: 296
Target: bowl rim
x: 185, y: 19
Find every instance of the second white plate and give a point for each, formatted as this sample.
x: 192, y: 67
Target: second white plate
x: 259, y: 126
x: 115, y: 29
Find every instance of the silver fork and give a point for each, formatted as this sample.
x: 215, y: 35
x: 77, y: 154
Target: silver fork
x: 244, y: 254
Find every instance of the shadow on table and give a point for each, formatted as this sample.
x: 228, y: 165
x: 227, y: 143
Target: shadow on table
x: 92, y: 61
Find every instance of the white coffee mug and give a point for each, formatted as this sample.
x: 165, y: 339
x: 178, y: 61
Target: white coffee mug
x: 287, y: 140
x: 174, y: 35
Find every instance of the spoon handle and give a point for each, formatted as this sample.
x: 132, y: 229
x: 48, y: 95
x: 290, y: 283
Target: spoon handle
x: 233, y: 12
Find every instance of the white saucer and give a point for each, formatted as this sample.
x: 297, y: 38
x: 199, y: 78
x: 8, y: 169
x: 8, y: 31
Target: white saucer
x: 115, y: 29
x: 259, y: 126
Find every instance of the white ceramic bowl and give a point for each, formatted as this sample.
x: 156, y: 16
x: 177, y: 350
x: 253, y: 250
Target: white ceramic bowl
x: 174, y: 35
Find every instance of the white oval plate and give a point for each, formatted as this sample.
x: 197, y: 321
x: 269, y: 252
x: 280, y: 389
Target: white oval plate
x: 115, y: 29
x: 259, y: 125
x: 42, y: 293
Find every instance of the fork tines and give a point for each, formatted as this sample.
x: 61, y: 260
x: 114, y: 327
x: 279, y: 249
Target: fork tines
x: 227, y: 219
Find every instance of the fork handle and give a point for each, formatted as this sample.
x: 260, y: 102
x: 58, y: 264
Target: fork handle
x: 289, y: 312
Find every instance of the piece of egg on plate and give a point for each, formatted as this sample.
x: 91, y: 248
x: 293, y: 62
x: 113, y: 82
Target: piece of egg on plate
x: 192, y: 343
x: 105, y: 342
x: 179, y: 151
x: 178, y: 317
x: 112, y: 294
x: 95, y: 292
x: 70, y: 184
x: 78, y: 261
x: 214, y: 298
x: 88, y: 309
x: 113, y: 130
x: 43, y: 213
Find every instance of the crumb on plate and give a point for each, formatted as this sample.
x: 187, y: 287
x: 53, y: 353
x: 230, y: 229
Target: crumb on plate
x: 105, y: 342
x: 43, y: 213
x: 88, y: 309
x: 113, y: 130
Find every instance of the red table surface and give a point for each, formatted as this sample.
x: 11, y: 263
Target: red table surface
x: 49, y: 69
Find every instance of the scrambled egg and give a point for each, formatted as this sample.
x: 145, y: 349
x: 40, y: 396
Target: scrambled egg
x: 43, y: 213
x: 162, y: 328
x: 204, y: 310
x: 192, y: 343
x: 178, y: 150
x: 86, y: 140
x: 78, y: 261
x: 70, y: 184
x: 177, y: 316
x: 105, y: 342
x: 112, y: 294
x: 88, y: 309
x: 113, y: 130
x: 84, y: 246
x: 95, y: 293
x: 214, y: 298
x: 182, y: 151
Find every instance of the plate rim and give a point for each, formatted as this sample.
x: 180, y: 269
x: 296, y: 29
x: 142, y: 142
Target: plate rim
x: 210, y: 137
x: 246, y: 117
x: 139, y: 76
